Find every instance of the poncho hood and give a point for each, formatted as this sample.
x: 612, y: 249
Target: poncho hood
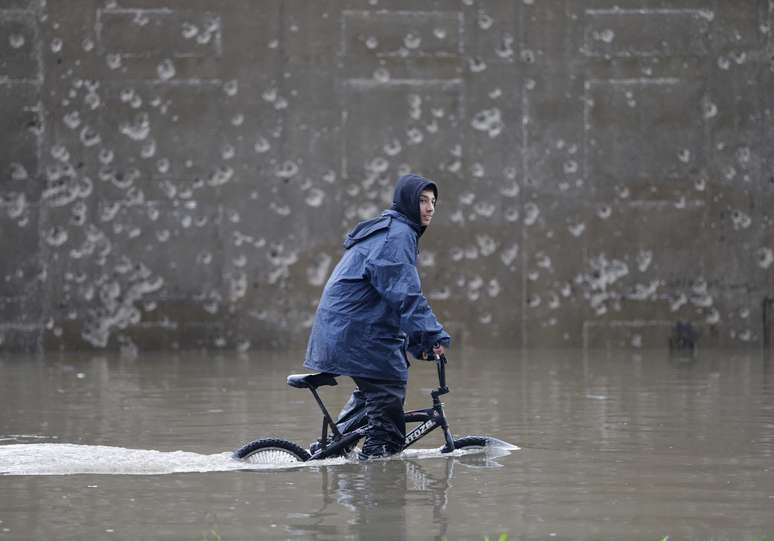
x: 405, y: 200
x: 405, y: 207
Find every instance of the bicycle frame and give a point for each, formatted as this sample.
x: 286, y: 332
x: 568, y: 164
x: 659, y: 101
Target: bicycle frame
x: 430, y: 419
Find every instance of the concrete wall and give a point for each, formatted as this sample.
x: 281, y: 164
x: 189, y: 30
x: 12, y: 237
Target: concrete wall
x: 180, y: 173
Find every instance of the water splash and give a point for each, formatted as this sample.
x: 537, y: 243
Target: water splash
x: 72, y: 459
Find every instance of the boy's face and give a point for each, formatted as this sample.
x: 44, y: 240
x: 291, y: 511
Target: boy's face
x: 426, y: 206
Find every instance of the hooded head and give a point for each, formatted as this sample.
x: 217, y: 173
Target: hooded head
x: 406, y: 198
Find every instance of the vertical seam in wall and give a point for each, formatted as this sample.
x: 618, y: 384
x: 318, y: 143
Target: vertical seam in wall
x: 342, y: 89
x: 768, y: 303
x: 43, y: 286
x: 524, y: 175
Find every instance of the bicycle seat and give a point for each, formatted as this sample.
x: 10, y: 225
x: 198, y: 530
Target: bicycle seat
x: 312, y: 381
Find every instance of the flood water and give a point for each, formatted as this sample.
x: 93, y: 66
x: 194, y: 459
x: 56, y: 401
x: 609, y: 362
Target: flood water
x: 613, y: 445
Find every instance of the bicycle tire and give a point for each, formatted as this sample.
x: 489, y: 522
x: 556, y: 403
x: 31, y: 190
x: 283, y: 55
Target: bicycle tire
x: 471, y: 442
x: 271, y: 451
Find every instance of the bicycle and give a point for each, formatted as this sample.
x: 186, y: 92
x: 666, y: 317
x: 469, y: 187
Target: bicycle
x: 276, y: 450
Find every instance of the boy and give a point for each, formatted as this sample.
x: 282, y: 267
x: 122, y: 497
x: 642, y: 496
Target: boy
x: 372, y: 311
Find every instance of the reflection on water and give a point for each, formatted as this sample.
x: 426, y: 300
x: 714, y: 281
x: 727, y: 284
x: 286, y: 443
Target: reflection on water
x: 614, y: 446
x: 411, y: 497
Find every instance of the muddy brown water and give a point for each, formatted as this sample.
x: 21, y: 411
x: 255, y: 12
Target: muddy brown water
x: 614, y: 445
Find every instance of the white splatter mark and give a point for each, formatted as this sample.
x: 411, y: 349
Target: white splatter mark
x: 486, y: 244
x: 377, y: 165
x: 56, y: 236
x: 645, y: 292
x: 765, y: 257
x: 204, y: 257
x: 16, y: 41
x: 113, y: 61
x: 105, y: 156
x: 262, y: 145
x: 511, y: 214
x: 439, y: 294
x: 740, y: 220
x: 412, y: 41
x: 706, y: 14
x: 18, y: 171
x: 743, y: 155
x: 477, y: 65
x: 60, y: 153
x: 227, y: 151
x: 531, y: 213
x: 72, y: 120
x: 237, y: 285
x: 220, y: 176
x: 488, y: 120
x: 709, y: 109
x: 381, y: 75
x: 484, y: 209
x: 166, y: 69
x: 56, y: 45
x: 644, y: 259
x: 676, y: 303
x: 288, y: 169
x: 231, y: 88
x: 606, y: 36
x: 426, y: 258
x: 315, y: 197
x: 505, y: 49
x: 137, y: 130
x: 485, y: 21
x: 318, y: 273
x: 745, y: 335
x: 543, y: 261
x: 393, y: 148
x: 577, y: 230
x: 189, y: 31
x: 509, y: 255
x: 415, y: 136
x: 510, y: 191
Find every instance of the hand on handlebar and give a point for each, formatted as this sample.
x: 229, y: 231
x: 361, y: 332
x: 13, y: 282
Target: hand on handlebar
x: 438, y: 350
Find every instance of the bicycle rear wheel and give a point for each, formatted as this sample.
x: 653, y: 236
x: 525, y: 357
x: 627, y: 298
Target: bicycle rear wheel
x: 271, y: 451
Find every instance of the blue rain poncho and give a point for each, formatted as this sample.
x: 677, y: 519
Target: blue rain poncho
x: 372, y: 309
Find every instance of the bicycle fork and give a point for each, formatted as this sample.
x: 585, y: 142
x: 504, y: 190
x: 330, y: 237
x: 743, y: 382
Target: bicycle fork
x: 431, y: 419
x: 438, y: 406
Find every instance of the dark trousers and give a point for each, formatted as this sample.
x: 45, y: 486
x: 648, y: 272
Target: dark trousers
x: 377, y: 404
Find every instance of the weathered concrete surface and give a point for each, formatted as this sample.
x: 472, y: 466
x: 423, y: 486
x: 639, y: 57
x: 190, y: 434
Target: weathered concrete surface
x: 180, y: 174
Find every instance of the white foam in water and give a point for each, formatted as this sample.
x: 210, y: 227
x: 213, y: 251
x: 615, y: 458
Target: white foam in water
x: 71, y: 459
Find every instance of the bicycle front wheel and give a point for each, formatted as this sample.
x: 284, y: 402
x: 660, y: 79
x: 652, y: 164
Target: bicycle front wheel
x: 471, y: 442
x: 271, y: 451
